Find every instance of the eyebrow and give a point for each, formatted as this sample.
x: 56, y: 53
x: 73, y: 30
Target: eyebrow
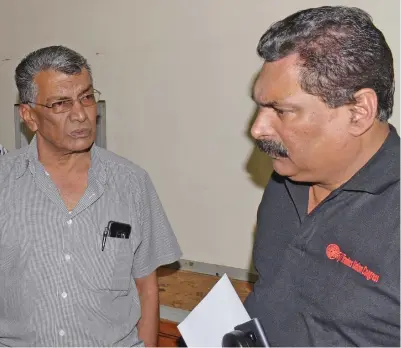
x: 68, y: 98
x: 274, y: 104
x: 270, y: 104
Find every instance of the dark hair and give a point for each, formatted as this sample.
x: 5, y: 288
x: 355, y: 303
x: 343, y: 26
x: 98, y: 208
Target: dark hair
x: 341, y: 52
x: 58, y: 58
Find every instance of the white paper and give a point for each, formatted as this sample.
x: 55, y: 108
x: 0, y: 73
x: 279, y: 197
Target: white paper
x: 217, y: 314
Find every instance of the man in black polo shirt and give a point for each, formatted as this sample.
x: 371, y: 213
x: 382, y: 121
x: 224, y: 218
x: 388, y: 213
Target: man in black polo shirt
x: 327, y: 244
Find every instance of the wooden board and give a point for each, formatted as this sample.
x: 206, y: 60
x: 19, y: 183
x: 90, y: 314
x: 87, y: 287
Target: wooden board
x: 185, y: 289
x: 168, y: 334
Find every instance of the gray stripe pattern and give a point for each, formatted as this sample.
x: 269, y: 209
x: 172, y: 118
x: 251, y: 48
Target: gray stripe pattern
x: 57, y: 287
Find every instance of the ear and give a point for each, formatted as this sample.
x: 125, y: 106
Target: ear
x: 28, y: 116
x: 363, y: 111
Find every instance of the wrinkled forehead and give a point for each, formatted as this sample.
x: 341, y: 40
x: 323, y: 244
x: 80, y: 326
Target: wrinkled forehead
x: 277, y: 80
x: 55, y: 83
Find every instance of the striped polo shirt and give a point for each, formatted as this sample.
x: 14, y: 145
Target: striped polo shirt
x: 57, y: 286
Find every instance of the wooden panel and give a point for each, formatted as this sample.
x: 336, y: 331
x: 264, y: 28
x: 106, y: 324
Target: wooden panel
x: 184, y: 289
x: 168, y: 334
x: 166, y: 341
x: 169, y: 328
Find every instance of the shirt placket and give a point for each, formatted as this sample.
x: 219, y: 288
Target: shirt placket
x: 311, y: 223
x: 66, y: 287
x: 63, y: 271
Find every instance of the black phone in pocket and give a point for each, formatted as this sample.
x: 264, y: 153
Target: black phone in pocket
x: 119, y: 230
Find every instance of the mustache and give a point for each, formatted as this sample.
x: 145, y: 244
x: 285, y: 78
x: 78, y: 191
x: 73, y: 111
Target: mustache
x: 272, y: 148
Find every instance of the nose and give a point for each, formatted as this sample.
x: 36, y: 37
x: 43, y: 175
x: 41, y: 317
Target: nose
x: 262, y: 126
x: 78, y: 112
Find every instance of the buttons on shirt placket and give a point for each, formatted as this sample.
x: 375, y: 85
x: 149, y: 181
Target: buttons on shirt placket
x: 67, y: 258
x: 64, y: 295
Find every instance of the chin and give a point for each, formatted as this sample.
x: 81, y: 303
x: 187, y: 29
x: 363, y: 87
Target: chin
x: 81, y: 145
x: 291, y: 172
x: 285, y: 167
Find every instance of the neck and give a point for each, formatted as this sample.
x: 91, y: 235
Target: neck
x: 59, y: 160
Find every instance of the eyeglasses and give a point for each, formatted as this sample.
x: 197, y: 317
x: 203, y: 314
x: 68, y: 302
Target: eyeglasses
x: 65, y: 105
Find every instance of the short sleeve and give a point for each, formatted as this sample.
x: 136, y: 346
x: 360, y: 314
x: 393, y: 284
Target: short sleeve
x: 158, y: 244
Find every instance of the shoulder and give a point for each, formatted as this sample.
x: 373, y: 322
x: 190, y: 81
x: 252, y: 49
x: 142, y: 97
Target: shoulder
x: 118, y: 164
x: 11, y: 162
x: 123, y: 172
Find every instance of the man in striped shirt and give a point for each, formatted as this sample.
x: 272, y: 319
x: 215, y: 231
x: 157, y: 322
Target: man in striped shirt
x: 82, y: 230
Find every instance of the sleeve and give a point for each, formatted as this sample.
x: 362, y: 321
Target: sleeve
x: 159, y: 245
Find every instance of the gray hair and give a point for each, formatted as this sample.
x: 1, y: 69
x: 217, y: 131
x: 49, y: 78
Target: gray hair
x: 341, y: 52
x: 57, y: 58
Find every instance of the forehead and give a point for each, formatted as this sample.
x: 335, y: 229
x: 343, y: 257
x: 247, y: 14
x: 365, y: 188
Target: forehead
x: 278, y: 81
x: 55, y: 83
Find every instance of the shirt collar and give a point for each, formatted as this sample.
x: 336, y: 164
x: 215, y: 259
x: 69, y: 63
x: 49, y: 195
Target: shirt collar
x: 30, y: 158
x: 27, y: 159
x: 381, y: 171
x: 98, y: 166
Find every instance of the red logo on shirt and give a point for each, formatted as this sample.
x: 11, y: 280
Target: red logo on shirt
x: 333, y: 252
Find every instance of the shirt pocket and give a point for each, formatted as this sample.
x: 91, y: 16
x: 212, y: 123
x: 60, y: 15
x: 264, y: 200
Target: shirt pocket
x: 119, y: 250
x: 108, y: 269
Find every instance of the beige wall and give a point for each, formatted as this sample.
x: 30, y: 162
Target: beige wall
x: 176, y: 76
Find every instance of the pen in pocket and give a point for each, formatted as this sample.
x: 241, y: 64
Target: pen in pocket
x: 105, y: 233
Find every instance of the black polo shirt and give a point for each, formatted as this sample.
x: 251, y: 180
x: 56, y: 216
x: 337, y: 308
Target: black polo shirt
x: 331, y: 278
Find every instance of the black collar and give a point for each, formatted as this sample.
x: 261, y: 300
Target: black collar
x: 381, y: 171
